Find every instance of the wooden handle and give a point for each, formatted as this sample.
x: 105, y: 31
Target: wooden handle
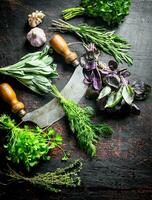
x: 60, y: 46
x: 8, y: 95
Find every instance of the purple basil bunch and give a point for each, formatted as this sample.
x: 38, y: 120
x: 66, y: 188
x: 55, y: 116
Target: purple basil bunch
x: 110, y: 82
x: 89, y: 62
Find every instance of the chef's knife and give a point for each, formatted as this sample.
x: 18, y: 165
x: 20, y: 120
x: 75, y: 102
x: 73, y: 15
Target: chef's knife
x: 52, y: 111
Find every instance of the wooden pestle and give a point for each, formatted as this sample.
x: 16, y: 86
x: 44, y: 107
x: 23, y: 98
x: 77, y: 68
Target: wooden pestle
x: 8, y: 95
x: 60, y: 46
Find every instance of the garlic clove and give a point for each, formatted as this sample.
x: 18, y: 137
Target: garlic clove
x: 35, y: 18
x: 36, y: 37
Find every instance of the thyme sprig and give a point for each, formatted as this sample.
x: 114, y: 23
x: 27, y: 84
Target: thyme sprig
x: 53, y: 181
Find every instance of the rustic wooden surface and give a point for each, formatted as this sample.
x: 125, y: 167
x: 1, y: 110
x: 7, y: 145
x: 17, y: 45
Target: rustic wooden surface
x: 122, y: 166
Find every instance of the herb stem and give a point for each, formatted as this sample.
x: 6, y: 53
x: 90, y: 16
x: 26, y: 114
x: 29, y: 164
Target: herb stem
x: 70, y: 13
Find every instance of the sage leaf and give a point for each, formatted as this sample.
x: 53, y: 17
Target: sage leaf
x: 34, y: 70
x: 104, y: 92
x: 128, y: 94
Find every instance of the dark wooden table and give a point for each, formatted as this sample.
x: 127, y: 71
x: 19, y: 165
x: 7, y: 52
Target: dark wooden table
x: 122, y: 166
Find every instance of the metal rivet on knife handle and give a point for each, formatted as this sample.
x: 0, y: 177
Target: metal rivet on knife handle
x: 60, y: 46
x: 9, y: 96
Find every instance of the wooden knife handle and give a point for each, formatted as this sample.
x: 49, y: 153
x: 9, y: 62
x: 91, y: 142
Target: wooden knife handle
x: 61, y: 47
x: 9, y: 96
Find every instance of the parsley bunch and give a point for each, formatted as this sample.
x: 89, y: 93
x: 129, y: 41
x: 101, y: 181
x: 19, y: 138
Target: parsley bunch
x: 27, y: 146
x: 86, y: 132
x: 111, y: 11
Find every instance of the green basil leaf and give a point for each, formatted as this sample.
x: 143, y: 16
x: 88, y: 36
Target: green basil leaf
x: 104, y: 92
x: 128, y: 94
x: 114, y: 99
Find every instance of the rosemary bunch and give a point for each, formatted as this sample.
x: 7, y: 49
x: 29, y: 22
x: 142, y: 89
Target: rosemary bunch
x: 52, y: 181
x: 80, y: 123
x: 107, y: 41
x: 34, y: 70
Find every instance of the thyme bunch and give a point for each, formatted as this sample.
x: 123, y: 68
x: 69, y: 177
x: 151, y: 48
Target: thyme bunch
x: 107, y: 41
x: 86, y: 132
x: 53, y: 181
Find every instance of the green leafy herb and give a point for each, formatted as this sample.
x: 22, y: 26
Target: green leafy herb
x: 80, y: 123
x: 53, y: 181
x: 128, y: 94
x: 104, y: 92
x: 114, y: 98
x: 34, y: 70
x: 111, y: 11
x: 107, y: 41
x: 27, y: 146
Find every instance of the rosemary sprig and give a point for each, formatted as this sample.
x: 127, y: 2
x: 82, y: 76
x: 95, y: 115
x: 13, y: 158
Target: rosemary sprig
x: 53, y: 181
x: 80, y: 123
x: 107, y: 41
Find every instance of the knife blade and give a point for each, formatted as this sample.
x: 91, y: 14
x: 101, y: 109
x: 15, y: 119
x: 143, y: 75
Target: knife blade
x: 52, y: 111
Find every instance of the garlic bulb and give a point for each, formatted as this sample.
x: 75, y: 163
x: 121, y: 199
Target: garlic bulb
x: 36, y: 37
x: 35, y: 18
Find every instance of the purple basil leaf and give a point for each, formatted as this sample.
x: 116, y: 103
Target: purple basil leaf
x: 105, y: 72
x: 113, y: 81
x: 124, y: 81
x: 112, y: 65
x: 96, y: 83
x: 87, y: 82
x: 126, y: 74
x: 89, y: 75
x: 92, y: 65
x: 141, y: 89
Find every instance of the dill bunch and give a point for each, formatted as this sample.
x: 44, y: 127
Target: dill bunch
x: 53, y: 181
x: 86, y: 132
